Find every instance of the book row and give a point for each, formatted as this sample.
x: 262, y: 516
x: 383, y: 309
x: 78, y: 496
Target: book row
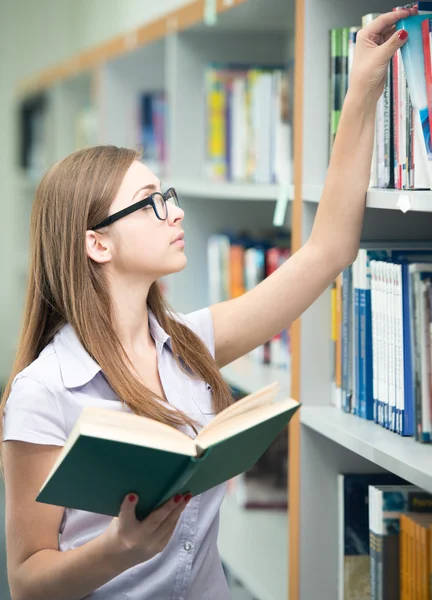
x: 238, y: 263
x: 402, y: 147
x: 382, y: 327
x: 249, y: 124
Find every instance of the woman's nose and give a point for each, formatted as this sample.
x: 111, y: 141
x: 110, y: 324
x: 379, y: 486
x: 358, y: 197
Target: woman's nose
x: 175, y: 214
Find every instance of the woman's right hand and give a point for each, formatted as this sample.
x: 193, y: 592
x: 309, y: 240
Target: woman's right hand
x: 137, y: 541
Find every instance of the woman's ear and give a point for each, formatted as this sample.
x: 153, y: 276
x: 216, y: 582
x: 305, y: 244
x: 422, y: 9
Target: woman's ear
x: 97, y: 247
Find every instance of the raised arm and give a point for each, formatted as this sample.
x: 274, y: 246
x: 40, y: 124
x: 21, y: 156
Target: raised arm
x: 247, y: 322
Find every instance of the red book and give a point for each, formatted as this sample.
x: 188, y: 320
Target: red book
x: 426, y: 33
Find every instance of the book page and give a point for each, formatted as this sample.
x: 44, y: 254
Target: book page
x: 125, y: 428
x: 225, y: 429
x: 261, y: 397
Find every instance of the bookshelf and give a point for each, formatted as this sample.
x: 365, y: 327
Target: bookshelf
x: 257, y: 554
x: 95, y: 98
x: 324, y: 441
x: 248, y: 376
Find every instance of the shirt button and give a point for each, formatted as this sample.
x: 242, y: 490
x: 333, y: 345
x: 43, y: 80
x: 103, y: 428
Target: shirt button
x: 188, y: 546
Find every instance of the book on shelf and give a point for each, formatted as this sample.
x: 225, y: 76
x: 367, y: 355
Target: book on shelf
x: 249, y: 123
x: 152, y: 119
x: 402, y: 151
x: 354, y: 581
x: 239, y: 262
x: 33, y: 135
x: 385, y: 335
x: 395, y: 571
x: 111, y: 453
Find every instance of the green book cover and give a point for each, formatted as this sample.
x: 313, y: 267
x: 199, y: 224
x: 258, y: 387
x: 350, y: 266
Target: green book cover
x: 336, y: 69
x: 94, y: 473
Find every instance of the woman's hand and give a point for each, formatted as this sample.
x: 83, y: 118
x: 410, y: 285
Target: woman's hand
x: 135, y: 542
x: 375, y: 46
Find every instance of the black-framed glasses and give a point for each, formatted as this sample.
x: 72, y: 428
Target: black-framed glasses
x: 158, y: 200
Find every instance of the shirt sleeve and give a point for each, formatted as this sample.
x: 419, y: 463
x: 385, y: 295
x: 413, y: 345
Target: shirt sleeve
x: 32, y: 414
x: 201, y: 323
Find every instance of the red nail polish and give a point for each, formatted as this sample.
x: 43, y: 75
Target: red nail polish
x: 187, y: 498
x: 403, y: 34
x: 131, y: 497
x: 177, y: 498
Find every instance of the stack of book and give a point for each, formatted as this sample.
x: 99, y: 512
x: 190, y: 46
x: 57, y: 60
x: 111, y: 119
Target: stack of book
x: 383, y: 323
x: 238, y: 263
x: 402, y: 148
x: 386, y: 537
x: 249, y: 124
x: 152, y: 119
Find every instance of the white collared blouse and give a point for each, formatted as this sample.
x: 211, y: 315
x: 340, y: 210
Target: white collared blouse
x: 46, y: 400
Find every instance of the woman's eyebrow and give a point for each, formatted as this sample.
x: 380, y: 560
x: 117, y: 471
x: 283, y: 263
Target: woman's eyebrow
x: 150, y: 187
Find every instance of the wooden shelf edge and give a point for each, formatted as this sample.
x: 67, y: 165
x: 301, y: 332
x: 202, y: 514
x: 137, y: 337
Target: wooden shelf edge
x: 179, y: 19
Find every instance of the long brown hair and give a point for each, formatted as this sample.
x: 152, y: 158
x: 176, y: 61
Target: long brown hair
x: 65, y: 286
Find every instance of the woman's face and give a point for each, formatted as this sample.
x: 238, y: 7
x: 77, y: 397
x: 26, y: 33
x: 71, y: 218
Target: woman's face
x: 140, y: 244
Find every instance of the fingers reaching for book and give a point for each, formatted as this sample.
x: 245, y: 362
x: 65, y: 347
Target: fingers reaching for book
x: 383, y: 23
x: 376, y: 44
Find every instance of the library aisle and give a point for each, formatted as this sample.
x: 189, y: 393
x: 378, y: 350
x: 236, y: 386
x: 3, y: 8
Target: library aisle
x: 193, y: 87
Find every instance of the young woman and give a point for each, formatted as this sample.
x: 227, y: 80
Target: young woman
x: 98, y: 332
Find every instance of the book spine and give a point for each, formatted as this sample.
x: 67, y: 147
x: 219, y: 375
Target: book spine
x: 180, y: 484
x: 396, y: 121
x: 346, y: 338
x: 357, y: 390
x: 336, y: 72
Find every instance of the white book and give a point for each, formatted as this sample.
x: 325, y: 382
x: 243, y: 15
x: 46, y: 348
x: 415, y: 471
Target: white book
x: 263, y: 100
x: 421, y: 176
x: 402, y: 124
x: 379, y: 339
x: 400, y: 371
x: 380, y: 135
x: 384, y: 370
x: 373, y: 270
x: 390, y: 345
x: 420, y: 289
x: 239, y: 130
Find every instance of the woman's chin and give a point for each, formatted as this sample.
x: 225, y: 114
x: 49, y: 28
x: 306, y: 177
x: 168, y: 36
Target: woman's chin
x: 178, y: 265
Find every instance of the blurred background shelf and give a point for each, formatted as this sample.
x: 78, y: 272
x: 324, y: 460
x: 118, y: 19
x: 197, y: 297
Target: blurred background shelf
x: 248, y: 376
x: 257, y: 553
x: 228, y: 191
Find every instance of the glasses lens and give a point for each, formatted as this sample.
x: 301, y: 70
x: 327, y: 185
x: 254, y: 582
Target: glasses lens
x: 160, y: 206
x: 171, y: 197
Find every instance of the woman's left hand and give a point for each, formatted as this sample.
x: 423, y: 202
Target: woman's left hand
x: 376, y: 45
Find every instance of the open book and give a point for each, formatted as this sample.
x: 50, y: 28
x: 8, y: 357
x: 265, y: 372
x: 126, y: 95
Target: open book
x: 111, y: 453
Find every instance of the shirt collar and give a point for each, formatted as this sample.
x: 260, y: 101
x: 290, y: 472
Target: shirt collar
x: 77, y: 366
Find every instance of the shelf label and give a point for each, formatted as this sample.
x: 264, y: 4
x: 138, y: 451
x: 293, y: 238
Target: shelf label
x: 210, y: 12
x: 281, y: 205
x: 404, y: 203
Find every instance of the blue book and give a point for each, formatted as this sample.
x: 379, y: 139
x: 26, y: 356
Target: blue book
x: 357, y: 352
x: 366, y: 400
x: 414, y: 64
x: 346, y: 344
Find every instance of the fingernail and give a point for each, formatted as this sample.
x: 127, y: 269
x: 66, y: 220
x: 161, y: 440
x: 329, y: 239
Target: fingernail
x: 177, y: 498
x: 403, y: 34
x: 132, y: 497
x: 187, y: 498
